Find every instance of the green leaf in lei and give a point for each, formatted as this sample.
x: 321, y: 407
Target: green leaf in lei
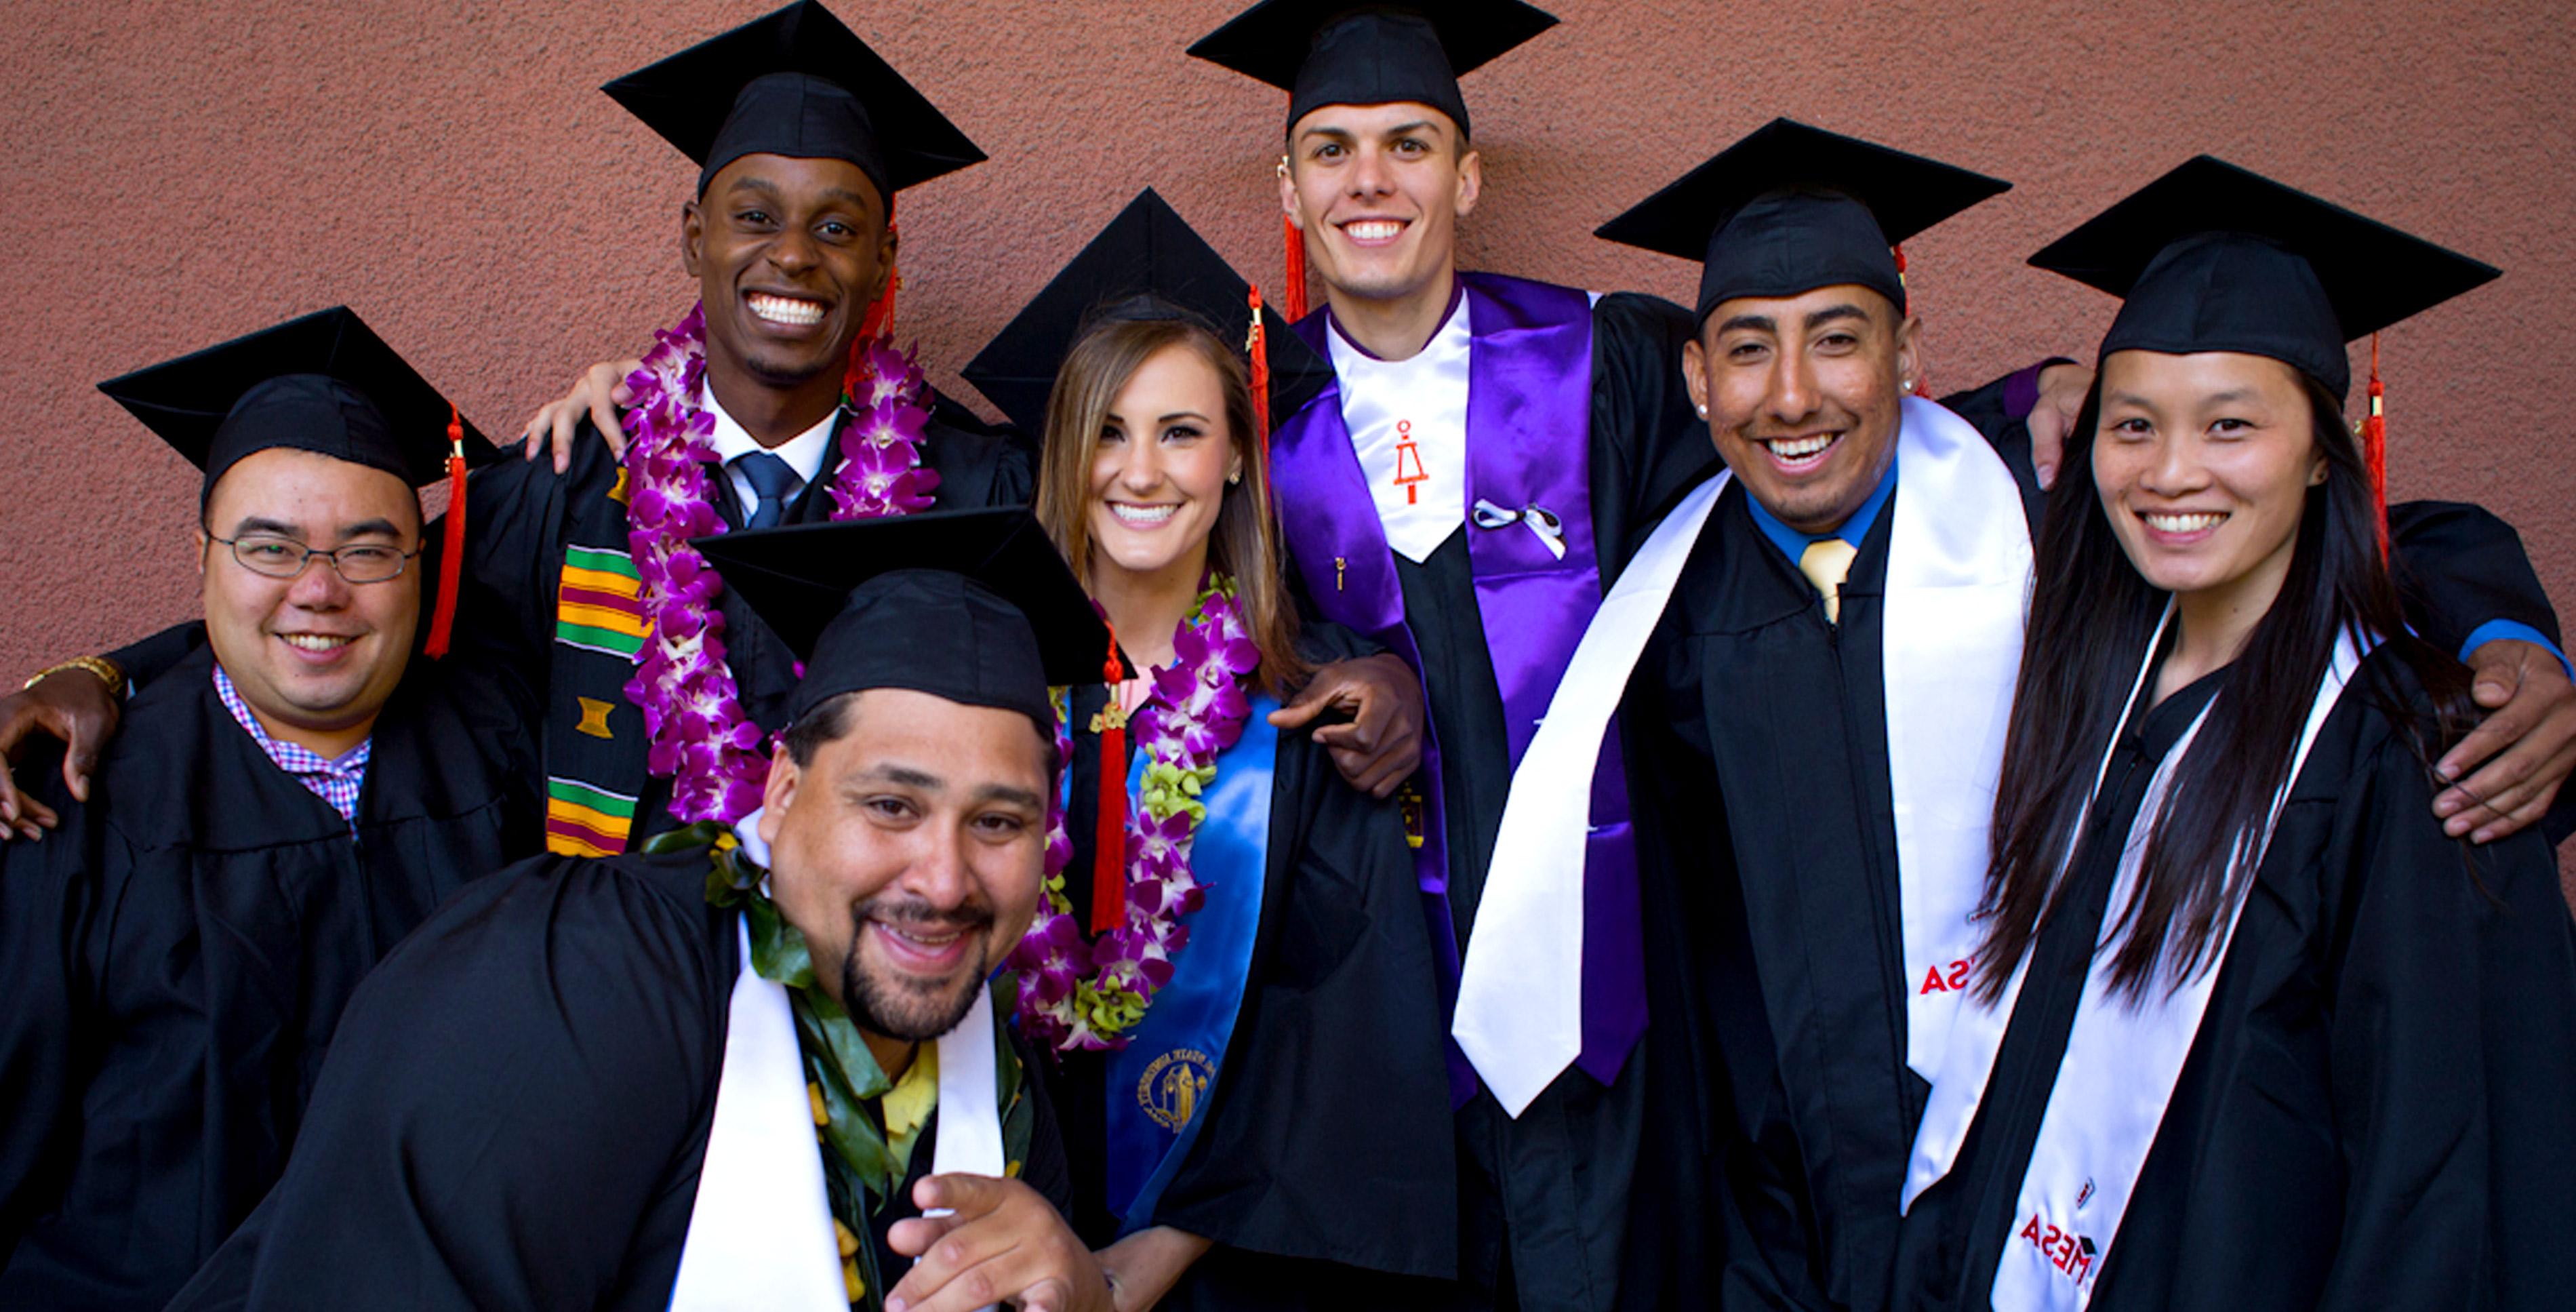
x: 849, y: 1093
x: 836, y: 1054
x: 1019, y: 1115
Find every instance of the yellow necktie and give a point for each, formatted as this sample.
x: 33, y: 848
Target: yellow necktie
x: 1825, y: 562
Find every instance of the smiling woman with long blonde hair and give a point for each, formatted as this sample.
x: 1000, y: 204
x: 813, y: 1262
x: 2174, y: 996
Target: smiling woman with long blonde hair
x: 1249, y: 960
x: 1143, y: 504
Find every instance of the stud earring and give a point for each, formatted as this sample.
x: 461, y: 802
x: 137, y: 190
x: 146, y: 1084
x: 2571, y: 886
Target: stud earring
x: 1703, y: 412
x: 1234, y: 478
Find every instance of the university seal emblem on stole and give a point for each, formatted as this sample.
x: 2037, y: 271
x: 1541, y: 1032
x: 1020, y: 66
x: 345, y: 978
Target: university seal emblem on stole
x: 1172, y: 1086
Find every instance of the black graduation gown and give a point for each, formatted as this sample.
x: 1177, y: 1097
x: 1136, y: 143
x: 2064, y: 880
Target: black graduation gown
x: 522, y: 515
x: 1551, y: 1186
x: 1554, y: 1185
x: 1745, y: 685
x: 1748, y: 695
x: 177, y: 955
x: 2374, y: 1111
x: 518, y: 1105
x: 1324, y: 1170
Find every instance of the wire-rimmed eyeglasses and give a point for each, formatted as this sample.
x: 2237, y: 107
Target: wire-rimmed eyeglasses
x: 285, y: 558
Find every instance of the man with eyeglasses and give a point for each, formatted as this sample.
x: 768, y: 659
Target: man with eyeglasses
x: 282, y: 807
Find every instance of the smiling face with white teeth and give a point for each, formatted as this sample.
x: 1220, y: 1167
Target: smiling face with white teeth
x: 1378, y: 190
x: 2203, y: 463
x: 908, y: 847
x: 1802, y: 395
x: 789, y: 253
x: 315, y: 656
x: 1158, y: 475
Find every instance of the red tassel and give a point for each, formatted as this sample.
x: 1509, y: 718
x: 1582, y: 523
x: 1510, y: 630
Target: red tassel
x: 1292, y: 287
x: 879, y: 320
x: 854, y: 376
x: 1109, y: 840
x: 1256, y: 347
x: 857, y: 380
x: 2374, y: 450
x: 1921, y: 386
x: 442, y: 622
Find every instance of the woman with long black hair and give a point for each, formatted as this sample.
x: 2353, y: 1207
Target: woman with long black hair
x: 2252, y: 1032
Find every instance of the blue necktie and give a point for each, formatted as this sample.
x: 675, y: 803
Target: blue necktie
x: 772, y: 481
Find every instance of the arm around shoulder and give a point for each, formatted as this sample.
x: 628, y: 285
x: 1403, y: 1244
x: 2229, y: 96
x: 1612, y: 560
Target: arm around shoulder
x: 516, y: 512
x: 1642, y: 416
x: 2460, y: 567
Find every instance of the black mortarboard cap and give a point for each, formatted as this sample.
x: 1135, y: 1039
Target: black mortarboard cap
x: 1791, y: 208
x: 974, y: 606
x: 323, y: 383
x: 2211, y: 257
x: 795, y: 82
x: 1147, y: 264
x: 1336, y: 52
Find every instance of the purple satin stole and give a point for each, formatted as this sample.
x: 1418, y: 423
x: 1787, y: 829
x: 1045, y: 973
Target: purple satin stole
x: 1529, y: 423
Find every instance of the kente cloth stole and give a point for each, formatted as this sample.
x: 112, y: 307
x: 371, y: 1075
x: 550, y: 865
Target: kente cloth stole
x: 594, y: 737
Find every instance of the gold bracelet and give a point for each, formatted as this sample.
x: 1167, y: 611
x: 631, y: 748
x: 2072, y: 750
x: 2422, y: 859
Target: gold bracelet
x: 100, y: 666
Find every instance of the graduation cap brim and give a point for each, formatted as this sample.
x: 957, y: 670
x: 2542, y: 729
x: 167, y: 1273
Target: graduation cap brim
x: 798, y: 579
x: 2373, y: 275
x: 1906, y: 193
x: 688, y: 97
x: 1147, y: 250
x: 1270, y: 41
x: 186, y: 401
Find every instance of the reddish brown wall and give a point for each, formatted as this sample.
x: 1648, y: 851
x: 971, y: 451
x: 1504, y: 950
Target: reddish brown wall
x: 184, y: 170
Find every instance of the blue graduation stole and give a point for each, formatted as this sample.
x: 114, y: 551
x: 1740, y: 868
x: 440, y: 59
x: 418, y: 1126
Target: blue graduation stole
x: 1159, y: 1083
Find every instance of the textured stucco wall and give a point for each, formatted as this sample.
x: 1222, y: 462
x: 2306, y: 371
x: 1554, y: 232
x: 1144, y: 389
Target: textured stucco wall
x: 184, y: 170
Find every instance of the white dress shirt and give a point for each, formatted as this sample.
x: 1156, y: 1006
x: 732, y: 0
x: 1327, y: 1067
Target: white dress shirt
x: 804, y: 453
x: 1408, y: 422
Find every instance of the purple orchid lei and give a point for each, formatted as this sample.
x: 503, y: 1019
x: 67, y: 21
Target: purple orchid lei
x: 1077, y: 994
x: 698, y: 736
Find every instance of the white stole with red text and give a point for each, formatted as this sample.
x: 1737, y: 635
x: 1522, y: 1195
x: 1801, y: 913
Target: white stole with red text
x: 1958, y: 587
x: 2122, y: 1060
